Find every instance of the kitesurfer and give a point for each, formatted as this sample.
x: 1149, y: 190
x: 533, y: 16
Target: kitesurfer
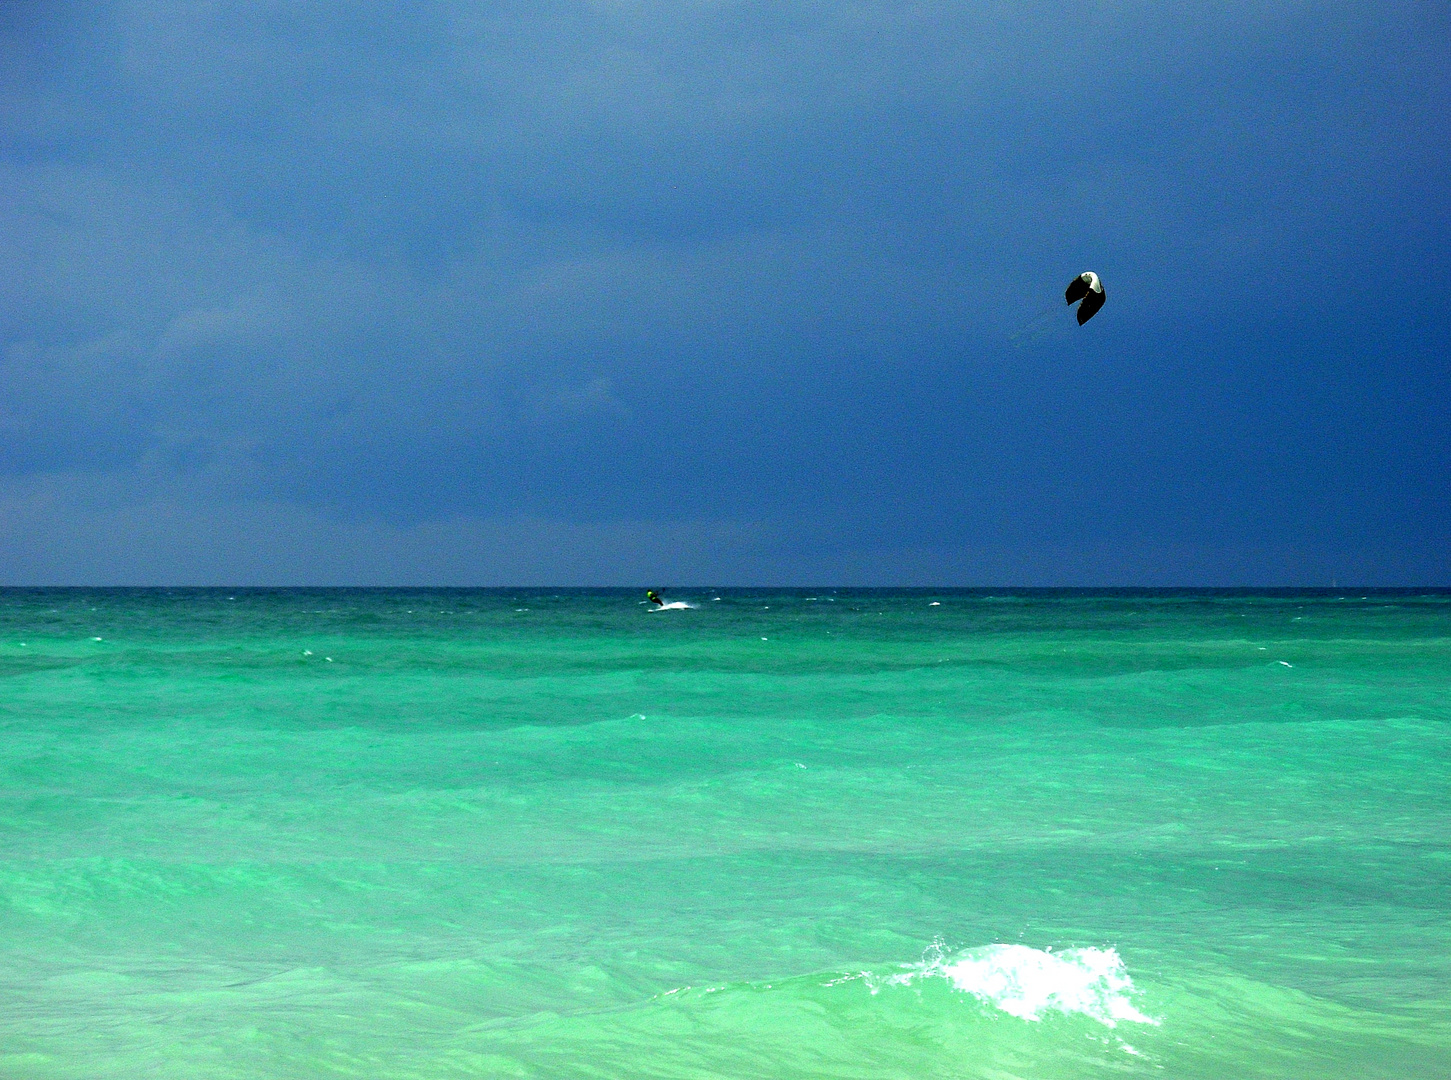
x: 654, y: 598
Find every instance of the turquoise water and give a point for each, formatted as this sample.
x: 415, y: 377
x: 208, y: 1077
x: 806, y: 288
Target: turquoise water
x: 780, y: 834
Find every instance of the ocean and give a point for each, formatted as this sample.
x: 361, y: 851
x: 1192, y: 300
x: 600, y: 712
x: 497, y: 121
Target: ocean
x: 777, y: 833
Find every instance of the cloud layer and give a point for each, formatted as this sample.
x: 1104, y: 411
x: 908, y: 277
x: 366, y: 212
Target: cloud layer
x: 608, y: 292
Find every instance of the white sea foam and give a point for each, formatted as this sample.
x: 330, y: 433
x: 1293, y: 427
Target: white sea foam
x: 1030, y: 983
x: 674, y: 605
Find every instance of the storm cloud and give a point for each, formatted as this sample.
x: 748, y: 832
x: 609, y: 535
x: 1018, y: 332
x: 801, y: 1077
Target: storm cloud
x: 722, y: 292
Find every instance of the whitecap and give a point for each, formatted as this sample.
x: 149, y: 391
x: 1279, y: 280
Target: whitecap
x: 1030, y: 983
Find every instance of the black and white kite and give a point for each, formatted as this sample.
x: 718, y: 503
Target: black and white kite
x: 1089, y: 289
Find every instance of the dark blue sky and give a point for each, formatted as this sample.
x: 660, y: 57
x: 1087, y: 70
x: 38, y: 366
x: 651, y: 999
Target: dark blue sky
x: 629, y: 293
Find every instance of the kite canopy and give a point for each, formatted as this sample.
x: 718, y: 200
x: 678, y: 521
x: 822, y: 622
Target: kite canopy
x: 1089, y: 289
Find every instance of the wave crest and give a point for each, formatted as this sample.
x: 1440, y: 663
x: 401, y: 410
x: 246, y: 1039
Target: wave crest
x: 1029, y: 983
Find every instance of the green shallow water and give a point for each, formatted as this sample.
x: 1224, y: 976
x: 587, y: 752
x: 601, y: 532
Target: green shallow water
x: 784, y: 834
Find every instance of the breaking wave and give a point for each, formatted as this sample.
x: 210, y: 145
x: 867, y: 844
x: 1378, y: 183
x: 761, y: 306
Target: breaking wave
x: 1030, y: 983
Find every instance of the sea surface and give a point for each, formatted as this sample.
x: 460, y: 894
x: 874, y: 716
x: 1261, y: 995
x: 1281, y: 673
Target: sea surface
x: 793, y: 833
